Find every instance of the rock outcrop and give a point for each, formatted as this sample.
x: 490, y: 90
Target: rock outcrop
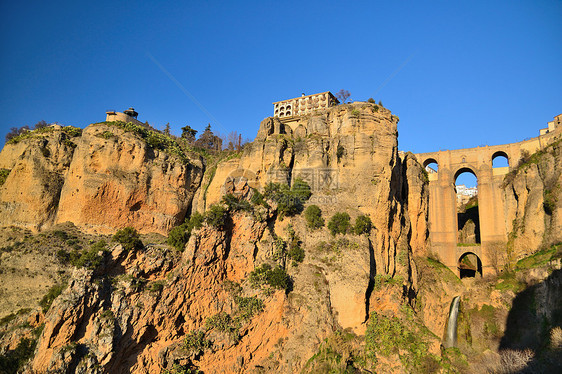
x: 533, y: 195
x: 118, y: 181
x: 37, y: 167
x: 105, y: 179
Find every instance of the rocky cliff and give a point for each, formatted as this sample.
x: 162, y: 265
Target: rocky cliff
x: 108, y: 176
x: 140, y: 311
x: 533, y: 195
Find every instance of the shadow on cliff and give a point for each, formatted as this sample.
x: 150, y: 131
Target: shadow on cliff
x: 535, y: 312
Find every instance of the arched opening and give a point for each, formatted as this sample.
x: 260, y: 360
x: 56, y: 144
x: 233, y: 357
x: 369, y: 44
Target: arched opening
x: 468, y: 218
x: 500, y: 160
x: 469, y: 265
x: 431, y: 166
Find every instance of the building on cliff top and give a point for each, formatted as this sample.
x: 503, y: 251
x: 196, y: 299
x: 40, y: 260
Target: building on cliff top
x: 129, y: 115
x: 552, y: 125
x: 304, y: 104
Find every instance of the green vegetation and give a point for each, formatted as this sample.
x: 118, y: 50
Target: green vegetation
x: 339, y: 223
x: 289, y: 200
x: 295, y: 252
x: 179, y: 235
x: 71, y: 131
x: 313, y: 216
x: 223, y: 322
x: 156, y: 286
x: 216, y: 216
x: 248, y: 307
x: 3, y: 175
x: 89, y: 259
x: 12, y: 361
x: 235, y: 204
x: 105, y: 135
x: 363, y: 225
x: 265, y: 276
x: 128, y: 238
x: 549, y: 200
x: 195, y: 342
x: 154, y: 139
x: 340, y: 152
x: 355, y: 113
x: 371, y: 100
x: 51, y: 295
x: 540, y: 258
x: 404, y: 336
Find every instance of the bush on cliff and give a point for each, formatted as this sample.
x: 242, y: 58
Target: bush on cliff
x: 339, y: 223
x: 289, y: 201
x: 3, y: 175
x: 265, y: 275
x: 128, y: 238
x: 216, y: 216
x: 235, y: 204
x: 179, y: 235
x: 313, y: 216
x: 363, y: 225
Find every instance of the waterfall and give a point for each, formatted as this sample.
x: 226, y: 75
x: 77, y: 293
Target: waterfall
x: 451, y: 333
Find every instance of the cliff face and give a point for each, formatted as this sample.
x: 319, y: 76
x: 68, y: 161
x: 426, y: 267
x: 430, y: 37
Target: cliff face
x: 119, y: 180
x: 135, y: 312
x: 105, y: 179
x: 31, y: 193
x: 533, y: 195
x: 348, y: 154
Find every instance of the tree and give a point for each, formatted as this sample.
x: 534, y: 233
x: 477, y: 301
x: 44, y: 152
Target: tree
x: 40, y: 125
x: 188, y: 133
x: 14, y: 131
x: 343, y: 95
x: 167, y: 129
x: 208, y: 140
x: 339, y: 223
x: 380, y: 103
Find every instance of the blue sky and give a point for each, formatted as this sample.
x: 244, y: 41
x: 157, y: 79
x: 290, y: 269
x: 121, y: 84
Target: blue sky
x: 458, y: 74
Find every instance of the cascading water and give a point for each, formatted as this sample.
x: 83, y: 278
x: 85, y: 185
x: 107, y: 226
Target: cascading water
x: 451, y: 333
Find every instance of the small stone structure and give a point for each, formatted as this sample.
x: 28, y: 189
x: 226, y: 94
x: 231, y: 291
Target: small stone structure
x: 304, y: 104
x: 491, y: 205
x: 129, y: 115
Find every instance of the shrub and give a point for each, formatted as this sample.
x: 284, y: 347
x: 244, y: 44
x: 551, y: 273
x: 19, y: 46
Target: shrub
x: 371, y: 100
x: 4, y: 175
x: 265, y: 275
x: 363, y: 225
x: 235, y: 204
x: 313, y: 216
x: 216, y: 216
x: 289, y: 200
x: 14, y: 360
x: 223, y: 322
x: 295, y: 253
x: 195, y: 342
x: 51, y: 295
x: 248, y: 307
x: 339, y: 223
x: 128, y: 238
x: 179, y: 235
x: 355, y: 113
x: 91, y: 258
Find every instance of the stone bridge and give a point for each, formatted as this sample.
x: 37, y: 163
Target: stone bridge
x: 443, y: 225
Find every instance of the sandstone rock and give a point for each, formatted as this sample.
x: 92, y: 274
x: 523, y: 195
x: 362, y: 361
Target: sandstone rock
x: 30, y: 196
x: 121, y: 181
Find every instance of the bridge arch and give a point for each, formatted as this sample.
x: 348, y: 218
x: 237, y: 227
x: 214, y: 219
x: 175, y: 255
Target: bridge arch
x: 499, y: 157
x: 465, y: 169
x: 469, y: 265
x: 429, y: 161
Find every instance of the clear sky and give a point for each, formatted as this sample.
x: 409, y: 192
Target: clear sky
x: 458, y: 74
